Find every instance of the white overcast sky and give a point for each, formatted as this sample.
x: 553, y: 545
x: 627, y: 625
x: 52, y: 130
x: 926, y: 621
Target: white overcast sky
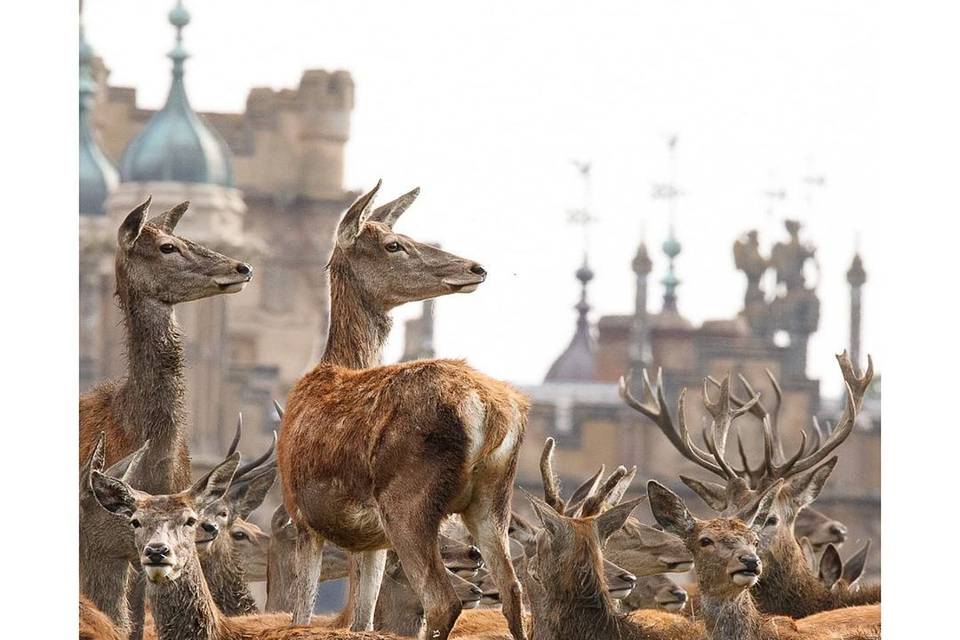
x: 484, y: 104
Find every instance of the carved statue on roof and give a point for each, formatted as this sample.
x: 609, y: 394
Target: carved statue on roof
x: 748, y: 259
x: 789, y: 258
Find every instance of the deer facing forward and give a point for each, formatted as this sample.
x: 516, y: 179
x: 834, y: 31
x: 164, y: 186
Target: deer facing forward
x: 372, y: 456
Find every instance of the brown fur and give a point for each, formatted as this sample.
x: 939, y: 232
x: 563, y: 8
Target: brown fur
x: 94, y: 624
x: 373, y: 457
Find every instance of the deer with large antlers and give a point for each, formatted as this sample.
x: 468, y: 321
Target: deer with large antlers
x: 728, y: 565
x: 788, y: 586
x: 155, y: 270
x: 374, y: 456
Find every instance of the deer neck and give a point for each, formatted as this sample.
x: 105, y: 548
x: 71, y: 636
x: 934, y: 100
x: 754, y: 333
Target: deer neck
x: 728, y: 618
x: 184, y: 609
x: 104, y: 582
x: 227, y: 583
x: 358, y: 325
x: 577, y: 609
x: 391, y: 616
x: 787, y: 586
x: 151, y: 398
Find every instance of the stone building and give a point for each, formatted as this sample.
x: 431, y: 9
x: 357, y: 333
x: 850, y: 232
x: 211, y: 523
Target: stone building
x: 265, y: 185
x: 579, y: 405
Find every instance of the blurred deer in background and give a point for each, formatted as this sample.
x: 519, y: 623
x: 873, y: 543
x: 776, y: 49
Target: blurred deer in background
x: 155, y: 270
x: 425, y: 438
x: 788, y: 586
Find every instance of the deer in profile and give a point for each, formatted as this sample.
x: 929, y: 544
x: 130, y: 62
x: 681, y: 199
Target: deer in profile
x: 788, y: 586
x: 656, y: 592
x: 164, y: 533
x: 106, y: 542
x: 155, y: 270
x: 819, y: 529
x: 728, y: 565
x: 374, y: 456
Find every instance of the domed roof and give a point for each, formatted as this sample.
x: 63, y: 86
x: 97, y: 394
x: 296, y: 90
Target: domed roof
x: 576, y: 363
x: 98, y: 176
x: 177, y: 144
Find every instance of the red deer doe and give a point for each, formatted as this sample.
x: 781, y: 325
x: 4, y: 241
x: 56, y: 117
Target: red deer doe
x: 155, y: 270
x: 788, y: 586
x: 164, y: 532
x: 727, y: 566
x: 373, y: 456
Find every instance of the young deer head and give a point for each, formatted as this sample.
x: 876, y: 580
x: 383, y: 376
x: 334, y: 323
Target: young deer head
x: 164, y: 527
x: 819, y: 529
x: 656, y: 592
x: 724, y: 549
x: 162, y: 266
x: 391, y: 269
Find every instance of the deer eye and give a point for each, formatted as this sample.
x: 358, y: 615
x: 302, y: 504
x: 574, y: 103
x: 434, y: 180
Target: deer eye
x: 135, y: 523
x: 705, y: 542
x: 167, y: 247
x: 190, y: 522
x: 393, y: 247
x: 772, y: 521
x: 239, y: 535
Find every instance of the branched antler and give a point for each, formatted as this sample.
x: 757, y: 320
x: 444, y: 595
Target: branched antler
x: 551, y: 484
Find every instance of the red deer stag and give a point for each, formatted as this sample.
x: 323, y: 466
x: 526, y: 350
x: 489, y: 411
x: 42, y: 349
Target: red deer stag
x: 727, y: 566
x: 164, y: 532
x: 788, y: 586
x: 155, y: 270
x: 373, y: 456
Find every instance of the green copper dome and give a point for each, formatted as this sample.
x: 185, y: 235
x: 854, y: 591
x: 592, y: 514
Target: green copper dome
x: 98, y: 176
x: 177, y: 144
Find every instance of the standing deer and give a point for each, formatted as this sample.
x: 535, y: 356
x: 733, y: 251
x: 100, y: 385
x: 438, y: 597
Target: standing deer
x: 727, y: 566
x: 164, y: 532
x: 106, y: 543
x: 788, y: 586
x: 376, y: 456
x: 155, y: 270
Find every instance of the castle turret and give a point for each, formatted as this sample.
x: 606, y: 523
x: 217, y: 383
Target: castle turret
x: 639, y: 348
x: 856, y: 277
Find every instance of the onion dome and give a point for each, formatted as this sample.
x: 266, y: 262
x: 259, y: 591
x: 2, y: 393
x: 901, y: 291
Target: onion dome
x: 177, y: 145
x: 576, y: 363
x: 98, y: 176
x: 856, y: 275
x: 671, y: 247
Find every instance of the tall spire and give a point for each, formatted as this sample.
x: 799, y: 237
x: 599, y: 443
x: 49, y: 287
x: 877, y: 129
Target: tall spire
x: 576, y: 363
x: 670, y: 191
x: 98, y: 176
x: 671, y: 248
x: 856, y: 278
x: 177, y: 145
x: 639, y: 347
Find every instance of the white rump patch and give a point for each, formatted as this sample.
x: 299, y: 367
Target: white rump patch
x: 473, y: 415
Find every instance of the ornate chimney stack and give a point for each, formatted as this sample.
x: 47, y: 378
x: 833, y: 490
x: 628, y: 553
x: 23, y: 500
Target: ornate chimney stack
x: 639, y: 344
x: 856, y: 277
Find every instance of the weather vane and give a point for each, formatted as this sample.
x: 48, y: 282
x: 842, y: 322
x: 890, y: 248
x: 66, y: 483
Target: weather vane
x: 811, y: 181
x: 581, y: 215
x: 669, y: 190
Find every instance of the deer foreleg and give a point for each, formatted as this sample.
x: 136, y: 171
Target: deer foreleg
x: 370, y: 566
x: 307, y: 573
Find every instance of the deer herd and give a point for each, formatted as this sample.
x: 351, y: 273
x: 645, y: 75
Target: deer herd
x: 400, y: 479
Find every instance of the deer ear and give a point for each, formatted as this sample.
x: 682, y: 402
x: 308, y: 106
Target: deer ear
x: 669, y: 510
x: 831, y: 566
x: 715, y: 495
x: 389, y: 213
x: 168, y: 220
x: 113, y: 495
x: 611, y: 520
x: 125, y: 467
x: 754, y: 515
x: 252, y: 492
x: 809, y: 555
x: 94, y: 463
x: 549, y: 518
x: 804, y: 488
x: 349, y: 227
x: 133, y: 224
x: 215, y: 484
x: 854, y: 566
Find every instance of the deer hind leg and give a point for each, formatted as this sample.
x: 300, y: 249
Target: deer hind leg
x: 306, y: 573
x: 488, y: 519
x: 370, y: 567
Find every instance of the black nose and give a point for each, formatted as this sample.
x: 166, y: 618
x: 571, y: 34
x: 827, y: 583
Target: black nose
x: 244, y: 269
x: 750, y: 561
x: 474, y: 554
x: 838, y: 530
x: 679, y: 594
x: 477, y: 269
x: 210, y: 527
x: 156, y: 552
x: 628, y: 577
